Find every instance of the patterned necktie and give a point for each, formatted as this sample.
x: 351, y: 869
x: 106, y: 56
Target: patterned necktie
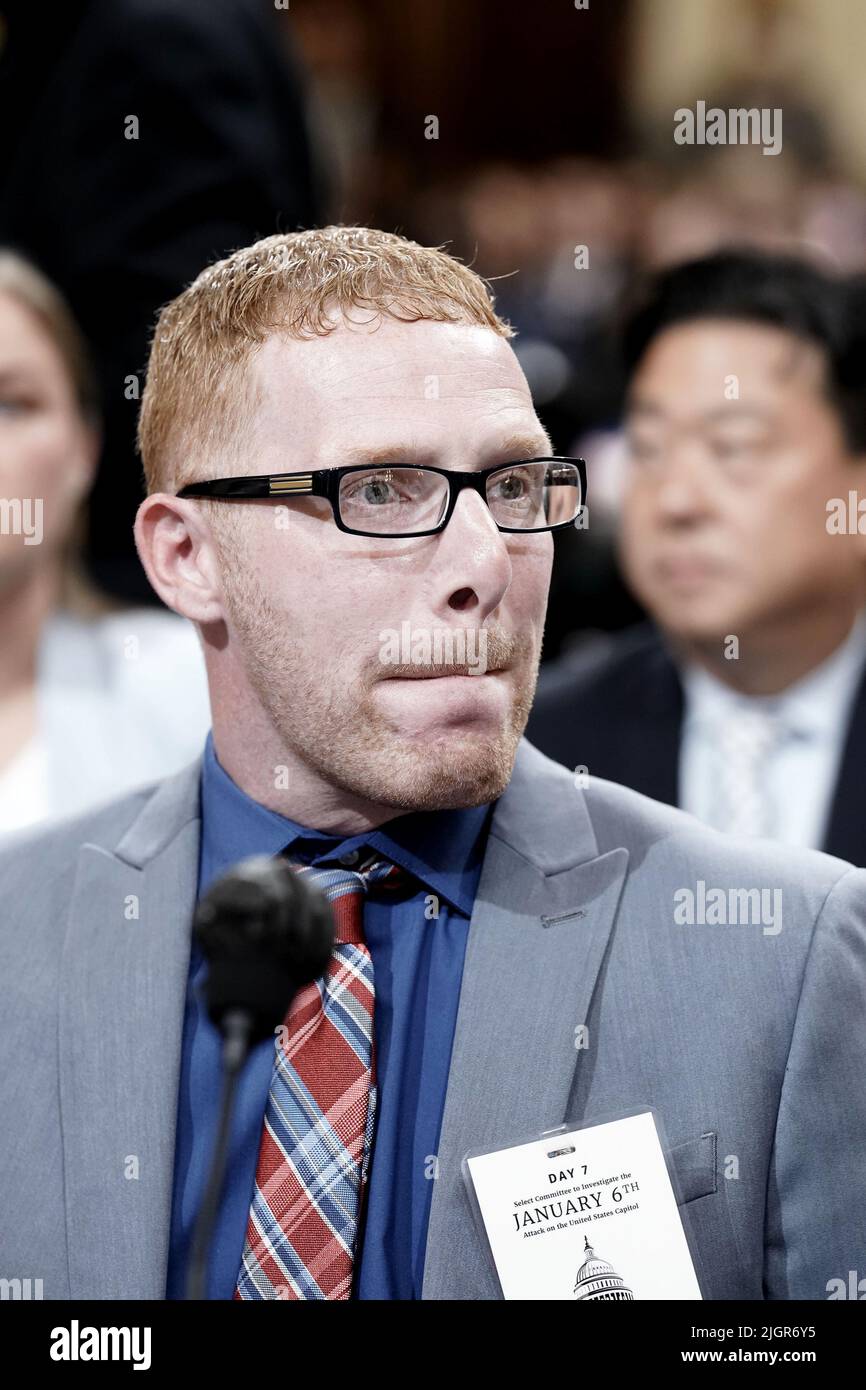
x: 318, y: 1128
x: 744, y: 746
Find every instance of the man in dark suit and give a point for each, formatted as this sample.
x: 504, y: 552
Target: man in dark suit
x: 744, y: 701
x: 141, y: 141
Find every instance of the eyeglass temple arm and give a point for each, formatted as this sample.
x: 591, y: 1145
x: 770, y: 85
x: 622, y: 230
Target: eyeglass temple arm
x: 267, y: 485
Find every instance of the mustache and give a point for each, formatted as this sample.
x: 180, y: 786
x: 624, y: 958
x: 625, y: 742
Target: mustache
x: 457, y: 652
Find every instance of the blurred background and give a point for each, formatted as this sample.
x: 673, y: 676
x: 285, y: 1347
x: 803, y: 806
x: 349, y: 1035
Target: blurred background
x: 140, y: 139
x: 553, y: 129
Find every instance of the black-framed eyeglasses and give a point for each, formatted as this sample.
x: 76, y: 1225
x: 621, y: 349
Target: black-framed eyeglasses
x: 540, y: 494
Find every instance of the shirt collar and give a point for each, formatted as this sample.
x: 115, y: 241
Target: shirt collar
x: 443, y: 849
x: 818, y: 703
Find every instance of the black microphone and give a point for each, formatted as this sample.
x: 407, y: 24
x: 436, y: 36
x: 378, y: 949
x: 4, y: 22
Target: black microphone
x: 265, y: 932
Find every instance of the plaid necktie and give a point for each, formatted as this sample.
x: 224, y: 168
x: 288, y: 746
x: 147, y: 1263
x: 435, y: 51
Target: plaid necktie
x: 318, y: 1129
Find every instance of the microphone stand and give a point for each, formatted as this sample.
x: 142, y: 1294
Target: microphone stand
x: 237, y: 1029
x: 264, y: 933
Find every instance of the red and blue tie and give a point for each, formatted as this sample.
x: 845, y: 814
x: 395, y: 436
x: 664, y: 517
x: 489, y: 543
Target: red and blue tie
x: 317, y: 1137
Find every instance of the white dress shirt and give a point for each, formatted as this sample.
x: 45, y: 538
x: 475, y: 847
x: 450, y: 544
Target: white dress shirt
x: 799, y: 769
x: 121, y: 701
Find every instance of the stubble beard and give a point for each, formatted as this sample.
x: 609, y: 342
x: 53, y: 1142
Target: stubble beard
x: 336, y: 731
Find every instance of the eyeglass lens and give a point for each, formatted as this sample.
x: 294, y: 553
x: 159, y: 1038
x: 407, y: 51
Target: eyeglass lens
x: 391, y: 501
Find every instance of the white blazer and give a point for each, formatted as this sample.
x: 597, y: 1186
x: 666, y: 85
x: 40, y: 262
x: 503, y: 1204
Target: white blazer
x: 121, y: 700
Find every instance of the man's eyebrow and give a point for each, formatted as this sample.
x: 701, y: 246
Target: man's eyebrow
x: 18, y: 374
x: 378, y: 454
x: 526, y: 445
x: 736, y: 410
x: 514, y: 447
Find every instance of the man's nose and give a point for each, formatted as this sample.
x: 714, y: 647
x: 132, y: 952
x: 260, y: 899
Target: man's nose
x: 683, y: 488
x: 473, y: 566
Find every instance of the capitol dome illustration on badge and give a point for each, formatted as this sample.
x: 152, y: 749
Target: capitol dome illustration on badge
x: 597, y: 1280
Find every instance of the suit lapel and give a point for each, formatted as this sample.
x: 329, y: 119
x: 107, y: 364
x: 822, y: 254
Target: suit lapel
x: 627, y: 721
x: 846, y: 831
x: 122, y: 995
x: 544, y: 911
x: 649, y: 741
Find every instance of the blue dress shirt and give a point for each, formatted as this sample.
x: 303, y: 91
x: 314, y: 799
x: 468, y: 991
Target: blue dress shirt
x: 418, y: 968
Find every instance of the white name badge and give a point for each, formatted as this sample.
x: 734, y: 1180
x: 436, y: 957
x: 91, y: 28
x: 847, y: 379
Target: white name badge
x: 584, y: 1213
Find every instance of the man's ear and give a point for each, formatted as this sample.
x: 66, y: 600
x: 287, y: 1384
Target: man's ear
x: 177, y: 550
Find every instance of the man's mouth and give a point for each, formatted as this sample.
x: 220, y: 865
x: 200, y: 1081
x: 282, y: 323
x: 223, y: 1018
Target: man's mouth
x: 688, y: 568
x: 430, y: 673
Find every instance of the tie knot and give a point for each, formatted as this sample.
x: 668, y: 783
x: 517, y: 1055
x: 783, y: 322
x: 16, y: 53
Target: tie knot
x: 382, y: 876
x: 346, y: 887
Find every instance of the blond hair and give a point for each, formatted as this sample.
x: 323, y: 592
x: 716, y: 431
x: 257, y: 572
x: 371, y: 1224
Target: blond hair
x: 23, y: 282
x: 196, y: 402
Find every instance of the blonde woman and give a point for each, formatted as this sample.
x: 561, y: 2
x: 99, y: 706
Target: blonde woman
x: 94, y: 698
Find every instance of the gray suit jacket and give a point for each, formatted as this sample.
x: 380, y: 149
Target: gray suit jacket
x: 749, y: 1042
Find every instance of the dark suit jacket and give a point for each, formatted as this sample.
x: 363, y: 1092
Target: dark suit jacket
x: 121, y: 225
x: 615, y: 706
